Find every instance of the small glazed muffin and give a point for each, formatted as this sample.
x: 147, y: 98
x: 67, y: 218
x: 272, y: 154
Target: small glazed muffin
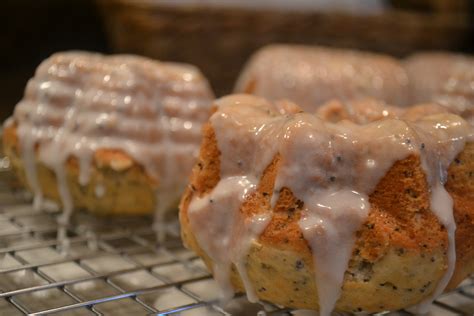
x: 310, y: 214
x: 111, y: 134
x: 311, y: 75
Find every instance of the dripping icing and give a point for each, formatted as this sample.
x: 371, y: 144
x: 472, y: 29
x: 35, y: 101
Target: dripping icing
x: 319, y: 224
x: 27, y: 156
x: 223, y: 239
x: 441, y: 202
x: 330, y: 182
x: 228, y: 236
x: 335, y: 191
x: 78, y: 103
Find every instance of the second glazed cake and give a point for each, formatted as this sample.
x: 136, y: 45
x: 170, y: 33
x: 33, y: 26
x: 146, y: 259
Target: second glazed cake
x: 112, y: 134
x: 311, y: 76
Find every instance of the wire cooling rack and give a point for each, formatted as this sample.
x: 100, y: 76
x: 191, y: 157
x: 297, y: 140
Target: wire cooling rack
x: 115, y: 267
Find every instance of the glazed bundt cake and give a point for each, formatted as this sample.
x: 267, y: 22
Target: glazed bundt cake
x: 111, y: 134
x: 311, y: 75
x: 310, y: 214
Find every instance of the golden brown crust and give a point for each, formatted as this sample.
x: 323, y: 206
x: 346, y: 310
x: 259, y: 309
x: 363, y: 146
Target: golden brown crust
x: 128, y: 190
x: 400, y: 252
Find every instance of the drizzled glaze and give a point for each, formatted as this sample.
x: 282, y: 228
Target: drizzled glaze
x: 228, y: 235
x: 80, y: 102
x: 224, y: 233
x: 331, y: 168
x: 311, y: 76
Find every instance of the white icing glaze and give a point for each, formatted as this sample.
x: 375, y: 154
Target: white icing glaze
x: 224, y: 233
x: 321, y: 225
x: 79, y: 103
x: 255, y: 227
x: 28, y: 158
x: 311, y: 169
x: 223, y: 240
x: 441, y: 202
x: 331, y: 168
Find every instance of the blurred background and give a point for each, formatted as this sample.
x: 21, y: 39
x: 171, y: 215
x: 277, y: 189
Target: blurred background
x: 219, y: 36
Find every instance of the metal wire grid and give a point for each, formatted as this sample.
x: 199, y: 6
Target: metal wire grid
x: 114, y: 267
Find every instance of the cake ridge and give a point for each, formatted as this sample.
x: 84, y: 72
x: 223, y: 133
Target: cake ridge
x: 321, y: 161
x: 78, y: 103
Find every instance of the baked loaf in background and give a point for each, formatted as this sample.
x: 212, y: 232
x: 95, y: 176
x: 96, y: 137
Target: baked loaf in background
x: 311, y: 76
x: 444, y: 78
x: 309, y: 214
x: 111, y: 134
